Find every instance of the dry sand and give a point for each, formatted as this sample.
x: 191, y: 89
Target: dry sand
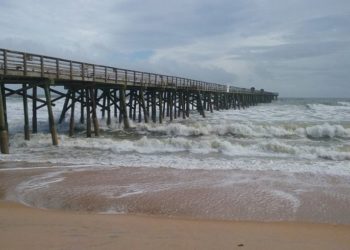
x: 34, y: 229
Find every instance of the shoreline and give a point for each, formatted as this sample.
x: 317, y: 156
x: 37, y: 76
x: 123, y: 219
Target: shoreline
x: 28, y: 228
x: 224, y: 195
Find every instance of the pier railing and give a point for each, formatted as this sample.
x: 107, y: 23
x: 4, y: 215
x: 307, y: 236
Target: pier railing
x: 22, y: 64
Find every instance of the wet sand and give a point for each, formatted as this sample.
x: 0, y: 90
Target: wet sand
x: 201, y: 194
x: 34, y: 229
x: 166, y: 208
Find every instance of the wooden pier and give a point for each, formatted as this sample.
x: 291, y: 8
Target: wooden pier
x: 109, y: 91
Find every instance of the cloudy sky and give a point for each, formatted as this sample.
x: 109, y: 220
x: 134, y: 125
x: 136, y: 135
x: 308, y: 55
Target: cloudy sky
x: 300, y: 48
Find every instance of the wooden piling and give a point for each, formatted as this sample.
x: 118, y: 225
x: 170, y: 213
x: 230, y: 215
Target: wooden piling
x: 130, y: 103
x: 164, y: 100
x: 167, y: 93
x: 154, y: 108
x: 4, y: 104
x: 210, y: 103
x: 171, y: 105
x: 50, y: 114
x: 72, y: 110
x: 122, y: 105
x: 82, y: 117
x: 88, y: 113
x: 175, y: 104
x: 134, y: 106
x: 25, y: 111
x: 216, y: 102
x: 179, y: 103
x: 160, y: 97
x: 94, y: 113
x: 34, y: 111
x: 183, y: 106
x: 143, y: 104
x: 103, y: 110
x: 65, y: 107
x: 148, y: 102
x: 199, y: 104
x: 108, y: 107
x: 140, y: 108
x: 187, y: 103
x: 115, y: 103
x: 4, y: 139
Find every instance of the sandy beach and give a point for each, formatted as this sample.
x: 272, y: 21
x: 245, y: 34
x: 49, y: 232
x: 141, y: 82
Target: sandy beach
x: 34, y: 229
x: 80, y: 211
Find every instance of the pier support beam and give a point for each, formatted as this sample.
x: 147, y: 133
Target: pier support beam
x: 143, y: 104
x: 34, y: 111
x: 160, y: 99
x: 4, y: 139
x: 65, y: 107
x: 4, y: 103
x: 51, y: 117
x: 199, y: 104
x: 72, y: 110
x: 25, y: 111
x: 82, y: 117
x: 171, y: 105
x: 94, y: 115
x: 88, y: 113
x: 154, y: 106
x: 187, y: 104
x: 123, y: 110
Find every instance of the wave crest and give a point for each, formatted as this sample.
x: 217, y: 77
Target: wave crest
x: 250, y: 130
x: 327, y: 131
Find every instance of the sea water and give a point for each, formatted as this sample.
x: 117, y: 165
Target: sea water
x: 287, y: 160
x: 311, y: 135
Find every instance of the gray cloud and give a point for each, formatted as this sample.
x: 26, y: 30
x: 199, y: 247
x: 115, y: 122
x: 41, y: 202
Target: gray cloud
x: 299, y: 48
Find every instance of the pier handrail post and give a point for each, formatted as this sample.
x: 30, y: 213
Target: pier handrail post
x: 5, y: 62
x: 42, y: 66
x: 57, y: 69
x: 70, y: 70
x: 24, y: 64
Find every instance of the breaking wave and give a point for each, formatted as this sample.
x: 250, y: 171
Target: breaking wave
x: 327, y: 131
x: 96, y: 148
x: 307, y: 152
x: 251, y: 130
x: 347, y: 104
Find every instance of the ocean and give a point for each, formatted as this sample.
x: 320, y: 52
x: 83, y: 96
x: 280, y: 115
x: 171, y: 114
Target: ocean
x: 288, y: 160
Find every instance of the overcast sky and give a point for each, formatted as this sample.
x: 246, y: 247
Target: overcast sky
x: 299, y: 48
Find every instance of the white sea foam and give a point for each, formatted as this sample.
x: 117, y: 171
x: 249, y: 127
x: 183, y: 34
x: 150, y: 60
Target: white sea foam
x: 291, y: 198
x: 39, y: 182
x: 347, y: 104
x: 325, y: 130
x: 43, y: 181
